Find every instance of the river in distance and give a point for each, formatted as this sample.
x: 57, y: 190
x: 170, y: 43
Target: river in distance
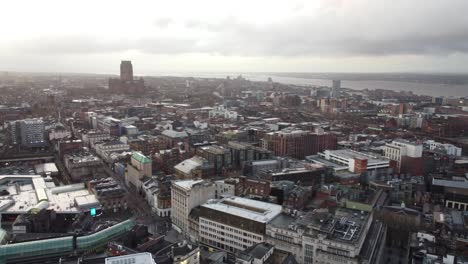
x: 432, y: 89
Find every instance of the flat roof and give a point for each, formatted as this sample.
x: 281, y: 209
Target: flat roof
x: 246, y: 208
x: 214, y: 149
x: 290, y: 132
x: 259, y: 251
x: 139, y: 258
x: 33, y: 121
x: 174, y: 134
x: 283, y: 220
x: 187, y: 184
x: 404, y: 141
x: 188, y: 165
x: 291, y: 171
x: 319, y: 160
x: 46, y: 167
x: 34, y: 189
x: 345, y: 225
x: 351, y: 154
x: 79, y: 158
x: 265, y: 162
x: 86, y: 201
x: 450, y: 183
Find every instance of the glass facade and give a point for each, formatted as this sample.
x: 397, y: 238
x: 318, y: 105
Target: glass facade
x: 31, y: 249
x: 309, y: 254
x: 102, y: 237
x: 12, y: 253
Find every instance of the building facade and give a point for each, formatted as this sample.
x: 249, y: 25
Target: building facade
x: 345, y: 237
x: 407, y: 155
x: 336, y: 89
x: 221, y: 111
x: 234, y: 224
x: 449, y: 149
x: 139, y: 167
x: 28, y: 133
x: 298, y: 143
x: 219, y: 156
x: 127, y: 83
x: 82, y: 165
x: 186, y: 195
x: 93, y: 136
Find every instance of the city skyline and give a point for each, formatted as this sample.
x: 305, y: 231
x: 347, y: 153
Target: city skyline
x: 234, y: 132
x: 174, y: 169
x: 263, y: 36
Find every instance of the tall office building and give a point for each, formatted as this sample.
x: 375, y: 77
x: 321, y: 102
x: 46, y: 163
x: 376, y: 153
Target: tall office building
x: 336, y: 89
x: 28, y: 132
x: 186, y: 195
x: 126, y: 71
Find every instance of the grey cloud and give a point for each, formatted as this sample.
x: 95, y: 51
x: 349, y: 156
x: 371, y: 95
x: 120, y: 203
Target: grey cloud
x: 393, y: 29
x: 369, y: 28
x: 71, y: 45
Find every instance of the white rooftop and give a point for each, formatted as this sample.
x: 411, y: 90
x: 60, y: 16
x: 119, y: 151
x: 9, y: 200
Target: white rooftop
x: 46, y: 167
x: 34, y: 192
x: 405, y: 142
x: 246, y: 208
x: 351, y: 154
x: 86, y: 201
x: 82, y: 158
x: 188, y: 165
x: 288, y: 131
x: 290, y: 171
x: 174, y: 134
x: 187, y: 184
x: 264, y: 162
x: 33, y: 121
x: 139, y: 258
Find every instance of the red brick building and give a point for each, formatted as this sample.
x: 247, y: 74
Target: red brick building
x: 360, y: 165
x: 253, y: 187
x: 299, y: 143
x: 245, y: 186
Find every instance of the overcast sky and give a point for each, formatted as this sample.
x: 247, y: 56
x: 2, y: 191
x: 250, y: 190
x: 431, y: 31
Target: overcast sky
x: 238, y: 35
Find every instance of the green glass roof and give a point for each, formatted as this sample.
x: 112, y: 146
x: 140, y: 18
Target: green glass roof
x: 141, y: 158
x: 62, y: 245
x: 103, y: 236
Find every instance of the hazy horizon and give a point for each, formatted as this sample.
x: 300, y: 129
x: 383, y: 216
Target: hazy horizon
x: 239, y: 36
x: 161, y: 73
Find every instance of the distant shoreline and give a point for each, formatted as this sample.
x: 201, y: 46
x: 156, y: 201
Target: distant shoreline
x: 421, y: 88
x: 431, y: 84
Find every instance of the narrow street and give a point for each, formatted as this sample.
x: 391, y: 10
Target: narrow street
x: 64, y: 175
x: 141, y: 210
